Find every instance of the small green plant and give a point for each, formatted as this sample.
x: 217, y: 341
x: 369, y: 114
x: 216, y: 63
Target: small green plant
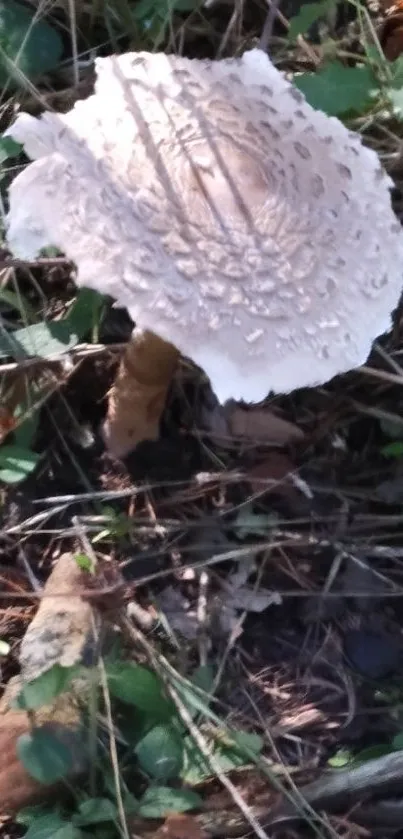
x: 155, y: 749
x: 29, y: 46
x: 373, y: 86
x: 45, y: 339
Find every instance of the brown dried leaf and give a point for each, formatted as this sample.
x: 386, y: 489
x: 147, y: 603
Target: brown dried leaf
x: 391, y: 36
x: 180, y: 826
x: 272, y: 475
x: 259, y: 425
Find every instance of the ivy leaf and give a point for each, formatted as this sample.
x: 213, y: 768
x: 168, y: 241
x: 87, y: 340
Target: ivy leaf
x: 16, y: 463
x: 47, y: 686
x: 49, y: 339
x: 51, y: 826
x: 44, y: 756
x: 95, y: 811
x: 158, y: 802
x: 336, y: 89
x: 160, y: 753
x: 28, y: 45
x: 307, y: 15
x: 140, y: 687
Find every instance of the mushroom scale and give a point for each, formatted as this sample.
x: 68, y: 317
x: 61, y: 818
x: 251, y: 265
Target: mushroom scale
x: 228, y: 216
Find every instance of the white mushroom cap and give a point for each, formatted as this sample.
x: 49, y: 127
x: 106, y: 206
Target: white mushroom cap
x: 229, y: 217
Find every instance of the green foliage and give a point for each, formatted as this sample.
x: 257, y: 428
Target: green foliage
x: 153, y: 16
x: 84, y: 562
x: 394, y: 450
x: 44, y: 756
x: 95, y: 811
x: 158, y: 802
x: 9, y: 148
x: 45, y: 688
x: 16, y: 463
x: 42, y: 340
x: 138, y: 686
x: 230, y: 753
x: 29, y: 46
x: 160, y: 753
x: 50, y: 339
x: 118, y: 525
x: 248, y: 523
x: 307, y: 15
x: 336, y: 89
x: 51, y: 826
x: 397, y: 742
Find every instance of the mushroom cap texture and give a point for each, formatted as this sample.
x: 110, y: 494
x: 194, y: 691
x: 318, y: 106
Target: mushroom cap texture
x: 230, y: 217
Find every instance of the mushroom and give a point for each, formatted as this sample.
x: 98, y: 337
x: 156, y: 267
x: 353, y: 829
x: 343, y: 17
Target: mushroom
x: 238, y: 226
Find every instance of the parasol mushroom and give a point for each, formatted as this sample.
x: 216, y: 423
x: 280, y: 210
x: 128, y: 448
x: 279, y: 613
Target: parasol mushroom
x: 238, y: 226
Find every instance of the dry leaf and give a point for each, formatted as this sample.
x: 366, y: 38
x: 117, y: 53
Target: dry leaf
x: 180, y: 826
x: 179, y: 613
x: 259, y: 425
x: 272, y: 475
x: 391, y: 36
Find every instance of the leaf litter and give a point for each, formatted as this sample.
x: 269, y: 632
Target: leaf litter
x: 250, y: 513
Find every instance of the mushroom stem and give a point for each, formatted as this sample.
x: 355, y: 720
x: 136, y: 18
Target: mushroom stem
x: 138, y: 395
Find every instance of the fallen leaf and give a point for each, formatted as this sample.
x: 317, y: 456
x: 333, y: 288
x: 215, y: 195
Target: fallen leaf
x: 272, y: 475
x: 180, y: 826
x: 391, y: 35
x: 259, y: 425
x: 180, y: 615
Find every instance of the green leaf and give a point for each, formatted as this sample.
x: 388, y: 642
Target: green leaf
x: 247, y: 523
x: 95, y: 811
x: 50, y: 339
x: 393, y: 449
x: 28, y: 45
x: 85, y: 311
x: 9, y: 148
x: 229, y: 757
x: 342, y: 758
x: 247, y: 741
x: 16, y: 463
x: 397, y: 742
x: 40, y: 340
x: 308, y: 14
x: 44, y: 756
x: 160, y: 753
x: 158, y: 802
x: 196, y: 767
x: 138, y: 686
x: 29, y: 815
x: 16, y: 301
x: 372, y: 753
x: 203, y: 678
x: 336, y: 89
x: 84, y: 562
x: 44, y: 689
x: 51, y: 826
x: 25, y: 432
